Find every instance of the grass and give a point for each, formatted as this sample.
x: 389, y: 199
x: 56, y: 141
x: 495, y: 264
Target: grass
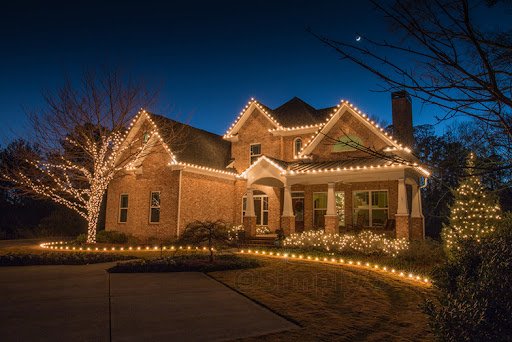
x: 334, y: 303
x: 186, y: 263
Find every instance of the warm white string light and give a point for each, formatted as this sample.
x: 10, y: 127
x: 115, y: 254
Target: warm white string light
x: 384, y: 270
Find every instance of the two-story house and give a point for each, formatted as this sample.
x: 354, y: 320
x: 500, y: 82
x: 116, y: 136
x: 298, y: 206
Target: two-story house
x: 293, y: 167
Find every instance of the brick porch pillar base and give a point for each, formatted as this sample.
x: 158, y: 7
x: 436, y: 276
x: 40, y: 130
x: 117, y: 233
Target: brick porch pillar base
x: 402, y: 226
x: 417, y: 228
x: 250, y: 226
x: 288, y: 224
x: 331, y: 224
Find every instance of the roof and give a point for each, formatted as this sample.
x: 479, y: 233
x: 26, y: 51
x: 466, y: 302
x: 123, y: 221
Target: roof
x: 297, y: 112
x: 193, y: 145
x: 337, y: 164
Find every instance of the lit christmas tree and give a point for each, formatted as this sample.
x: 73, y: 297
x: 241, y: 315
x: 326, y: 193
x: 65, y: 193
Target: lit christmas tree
x: 474, y: 213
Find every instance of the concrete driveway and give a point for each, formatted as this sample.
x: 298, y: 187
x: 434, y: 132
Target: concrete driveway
x: 81, y: 303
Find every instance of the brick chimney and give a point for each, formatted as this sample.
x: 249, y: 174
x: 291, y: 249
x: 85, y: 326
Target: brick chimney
x: 401, y: 108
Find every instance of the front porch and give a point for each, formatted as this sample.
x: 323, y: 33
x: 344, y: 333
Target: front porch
x: 337, y: 200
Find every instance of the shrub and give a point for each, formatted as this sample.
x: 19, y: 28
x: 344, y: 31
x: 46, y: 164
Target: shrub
x: 213, y: 234
x: 474, y: 297
x: 189, y: 263
x: 427, y: 252
x: 54, y: 258
x: 366, y: 243
x: 81, y: 239
x: 111, y: 236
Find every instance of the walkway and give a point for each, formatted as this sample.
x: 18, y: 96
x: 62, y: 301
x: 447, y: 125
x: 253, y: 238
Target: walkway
x: 81, y: 303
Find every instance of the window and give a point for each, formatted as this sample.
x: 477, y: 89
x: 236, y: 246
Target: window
x: 297, y: 146
x: 346, y: 143
x: 255, y: 152
x: 145, y: 137
x: 123, y: 208
x: 370, y: 208
x: 154, y: 207
x: 319, y: 209
x: 260, y: 207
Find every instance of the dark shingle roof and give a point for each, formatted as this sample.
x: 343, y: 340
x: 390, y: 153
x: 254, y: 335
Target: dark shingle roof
x: 193, y: 145
x: 296, y: 112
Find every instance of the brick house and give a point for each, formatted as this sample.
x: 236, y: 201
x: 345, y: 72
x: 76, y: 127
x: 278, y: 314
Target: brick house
x: 293, y: 167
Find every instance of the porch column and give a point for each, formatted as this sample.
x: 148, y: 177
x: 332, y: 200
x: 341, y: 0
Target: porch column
x: 402, y: 214
x: 288, y: 217
x: 417, y: 219
x: 250, y: 215
x: 331, y: 217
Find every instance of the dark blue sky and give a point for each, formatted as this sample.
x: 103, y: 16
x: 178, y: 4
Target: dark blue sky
x: 207, y: 58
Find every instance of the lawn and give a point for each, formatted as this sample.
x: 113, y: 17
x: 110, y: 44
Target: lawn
x: 334, y: 303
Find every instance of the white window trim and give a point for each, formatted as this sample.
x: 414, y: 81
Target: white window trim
x: 370, y: 204
x: 295, y: 152
x: 263, y: 210
x: 151, y: 206
x: 254, y: 155
x: 119, y: 208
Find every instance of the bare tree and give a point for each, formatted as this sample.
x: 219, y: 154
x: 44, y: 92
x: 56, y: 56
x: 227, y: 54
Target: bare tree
x: 81, y: 136
x: 441, y: 56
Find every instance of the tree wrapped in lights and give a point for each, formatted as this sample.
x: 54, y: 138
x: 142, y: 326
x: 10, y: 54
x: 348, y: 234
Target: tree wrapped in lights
x: 82, y: 139
x: 474, y: 213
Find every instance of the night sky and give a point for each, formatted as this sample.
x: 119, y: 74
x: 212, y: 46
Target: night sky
x: 206, y: 58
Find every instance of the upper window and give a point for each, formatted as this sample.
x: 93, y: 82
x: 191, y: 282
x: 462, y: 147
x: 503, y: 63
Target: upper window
x: 123, y: 208
x: 255, y: 152
x: 347, y: 143
x: 370, y: 208
x: 145, y: 137
x: 154, y: 207
x: 297, y: 146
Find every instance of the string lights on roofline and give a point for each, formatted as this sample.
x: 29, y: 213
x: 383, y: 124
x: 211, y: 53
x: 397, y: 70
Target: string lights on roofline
x: 244, y: 110
x: 204, y: 168
x: 364, y: 116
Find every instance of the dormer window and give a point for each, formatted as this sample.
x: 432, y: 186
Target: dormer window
x: 297, y: 146
x: 255, y: 151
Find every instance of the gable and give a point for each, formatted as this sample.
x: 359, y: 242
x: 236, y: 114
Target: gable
x: 252, y: 107
x: 347, y: 119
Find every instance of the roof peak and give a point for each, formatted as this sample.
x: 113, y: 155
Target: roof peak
x: 296, y: 101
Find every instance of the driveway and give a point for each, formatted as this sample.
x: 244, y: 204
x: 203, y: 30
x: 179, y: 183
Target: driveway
x: 82, y: 303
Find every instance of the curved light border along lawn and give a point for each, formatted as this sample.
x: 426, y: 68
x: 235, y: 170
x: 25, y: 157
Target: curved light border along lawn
x: 62, y: 246
x: 411, y: 278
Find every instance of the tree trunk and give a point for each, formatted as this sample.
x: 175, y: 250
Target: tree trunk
x: 93, y: 212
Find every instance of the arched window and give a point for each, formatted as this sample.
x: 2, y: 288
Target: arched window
x: 145, y: 137
x: 297, y: 146
x: 347, y: 143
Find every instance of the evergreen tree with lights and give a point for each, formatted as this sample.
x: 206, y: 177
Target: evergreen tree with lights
x: 474, y: 212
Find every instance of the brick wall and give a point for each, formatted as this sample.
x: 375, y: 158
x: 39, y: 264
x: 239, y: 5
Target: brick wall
x: 346, y: 125
x: 206, y: 198
x: 155, y: 176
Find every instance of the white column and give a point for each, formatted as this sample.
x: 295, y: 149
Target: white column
x: 402, y: 198
x: 331, y: 200
x: 416, y: 202
x: 249, y: 209
x: 287, y: 202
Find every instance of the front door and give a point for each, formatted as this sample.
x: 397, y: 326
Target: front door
x: 298, y: 211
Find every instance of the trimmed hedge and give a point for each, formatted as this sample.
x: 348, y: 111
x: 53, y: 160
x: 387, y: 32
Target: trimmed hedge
x: 188, y: 263
x: 55, y: 258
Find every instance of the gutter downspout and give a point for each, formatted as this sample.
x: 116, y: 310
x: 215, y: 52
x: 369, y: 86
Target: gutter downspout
x: 179, y: 206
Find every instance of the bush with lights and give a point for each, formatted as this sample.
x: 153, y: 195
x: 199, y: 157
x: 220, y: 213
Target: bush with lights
x: 474, y: 301
x: 366, y: 243
x: 474, y: 213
